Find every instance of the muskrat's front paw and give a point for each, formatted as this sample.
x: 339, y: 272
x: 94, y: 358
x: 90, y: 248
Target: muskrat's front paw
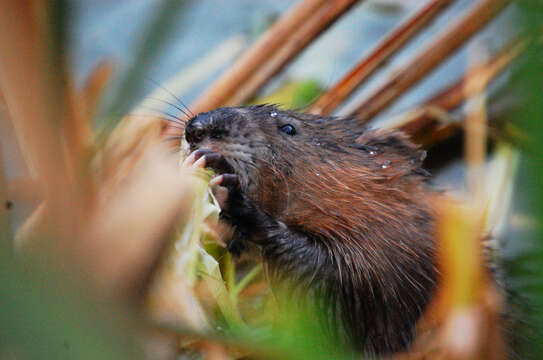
x: 225, y: 188
x: 237, y: 244
x: 229, y: 181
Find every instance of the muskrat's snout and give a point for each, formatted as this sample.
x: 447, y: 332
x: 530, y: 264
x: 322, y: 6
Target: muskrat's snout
x: 210, y: 127
x: 195, y: 131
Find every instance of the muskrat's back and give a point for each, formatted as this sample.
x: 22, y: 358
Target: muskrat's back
x: 338, y: 211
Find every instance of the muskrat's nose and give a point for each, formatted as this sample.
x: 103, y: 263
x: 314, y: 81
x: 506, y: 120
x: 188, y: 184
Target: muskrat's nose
x: 194, y: 131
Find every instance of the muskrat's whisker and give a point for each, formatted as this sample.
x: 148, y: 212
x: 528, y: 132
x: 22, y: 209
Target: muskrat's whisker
x: 174, y: 96
x: 172, y: 138
x: 171, y: 104
x: 175, y: 122
x: 163, y: 112
x: 176, y: 127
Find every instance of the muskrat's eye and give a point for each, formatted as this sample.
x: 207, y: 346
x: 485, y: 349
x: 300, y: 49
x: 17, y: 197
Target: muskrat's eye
x: 288, y: 129
x: 216, y: 135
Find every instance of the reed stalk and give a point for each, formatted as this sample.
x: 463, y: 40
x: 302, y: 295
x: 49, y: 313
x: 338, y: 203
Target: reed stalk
x: 439, y: 48
x: 377, y: 58
x: 222, y: 90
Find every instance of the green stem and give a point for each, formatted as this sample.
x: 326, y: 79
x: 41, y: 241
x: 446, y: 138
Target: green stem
x: 246, y: 280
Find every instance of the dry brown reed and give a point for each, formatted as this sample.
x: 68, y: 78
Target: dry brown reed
x: 377, y: 58
x: 105, y: 209
x: 439, y: 48
x: 274, y: 49
x: 424, y: 123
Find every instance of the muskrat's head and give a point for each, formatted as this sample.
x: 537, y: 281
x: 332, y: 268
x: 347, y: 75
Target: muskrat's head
x: 271, y: 149
x: 262, y: 140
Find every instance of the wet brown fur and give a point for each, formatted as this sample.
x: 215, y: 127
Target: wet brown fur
x: 360, y: 194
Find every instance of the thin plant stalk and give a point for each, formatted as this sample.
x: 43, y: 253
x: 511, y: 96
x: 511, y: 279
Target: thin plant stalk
x: 272, y: 40
x: 6, y: 235
x: 440, y: 48
x: 475, y: 127
x: 292, y: 46
x: 428, y: 123
x: 39, y: 107
x: 377, y: 58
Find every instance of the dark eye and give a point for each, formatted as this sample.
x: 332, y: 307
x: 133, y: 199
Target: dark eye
x: 288, y: 129
x: 216, y: 135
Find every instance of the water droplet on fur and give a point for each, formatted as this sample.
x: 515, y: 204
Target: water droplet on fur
x: 386, y: 164
x: 316, y: 142
x: 423, y: 155
x: 273, y: 114
x: 317, y: 174
x: 373, y: 152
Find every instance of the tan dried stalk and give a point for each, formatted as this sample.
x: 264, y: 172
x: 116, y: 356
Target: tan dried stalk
x: 465, y: 314
x: 106, y: 211
x: 5, y: 234
x: 291, y: 47
x: 268, y: 43
x: 424, y: 124
x: 475, y: 127
x: 94, y: 87
x: 432, y: 55
x: 37, y: 106
x: 392, y: 43
x: 127, y: 229
x: 469, y: 303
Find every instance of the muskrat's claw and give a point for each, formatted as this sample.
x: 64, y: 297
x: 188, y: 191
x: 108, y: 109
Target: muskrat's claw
x: 227, y: 185
x: 214, y: 160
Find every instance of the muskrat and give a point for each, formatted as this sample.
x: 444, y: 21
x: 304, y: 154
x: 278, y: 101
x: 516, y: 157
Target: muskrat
x: 342, y: 212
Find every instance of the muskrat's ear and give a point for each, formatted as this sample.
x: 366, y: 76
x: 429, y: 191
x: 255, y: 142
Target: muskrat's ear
x: 392, y: 143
